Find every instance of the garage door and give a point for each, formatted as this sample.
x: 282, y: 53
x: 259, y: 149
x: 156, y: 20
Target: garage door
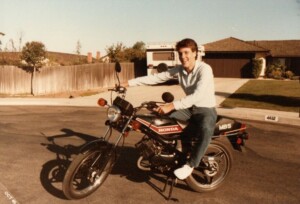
x: 230, y: 65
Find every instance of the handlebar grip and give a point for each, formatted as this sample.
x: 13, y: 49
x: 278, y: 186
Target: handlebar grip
x: 151, y: 105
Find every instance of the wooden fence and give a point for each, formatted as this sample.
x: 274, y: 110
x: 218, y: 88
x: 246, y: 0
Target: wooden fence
x: 51, y: 80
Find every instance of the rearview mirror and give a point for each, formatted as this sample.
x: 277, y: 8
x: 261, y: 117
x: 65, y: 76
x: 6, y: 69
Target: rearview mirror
x: 118, y: 67
x: 167, y: 97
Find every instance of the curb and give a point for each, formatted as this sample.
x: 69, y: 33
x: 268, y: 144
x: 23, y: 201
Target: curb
x: 269, y: 116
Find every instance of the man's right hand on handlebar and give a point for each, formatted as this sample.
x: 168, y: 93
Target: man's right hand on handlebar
x: 165, y: 108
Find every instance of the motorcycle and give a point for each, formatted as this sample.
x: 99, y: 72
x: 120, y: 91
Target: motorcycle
x: 160, y: 148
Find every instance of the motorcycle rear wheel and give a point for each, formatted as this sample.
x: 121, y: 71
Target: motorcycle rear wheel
x: 82, y: 177
x: 204, y: 179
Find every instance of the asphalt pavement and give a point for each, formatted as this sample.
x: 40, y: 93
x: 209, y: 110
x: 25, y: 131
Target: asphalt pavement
x: 136, y: 95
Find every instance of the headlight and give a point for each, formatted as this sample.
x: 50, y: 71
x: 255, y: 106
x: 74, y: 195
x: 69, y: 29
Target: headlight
x: 113, y: 113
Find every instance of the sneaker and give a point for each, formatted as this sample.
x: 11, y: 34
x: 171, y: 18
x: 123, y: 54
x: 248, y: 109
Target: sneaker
x: 183, y: 172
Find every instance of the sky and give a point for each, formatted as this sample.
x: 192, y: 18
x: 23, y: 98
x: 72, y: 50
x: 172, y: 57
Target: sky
x: 98, y: 24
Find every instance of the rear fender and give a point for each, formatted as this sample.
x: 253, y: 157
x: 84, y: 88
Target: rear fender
x: 237, y: 140
x: 234, y: 131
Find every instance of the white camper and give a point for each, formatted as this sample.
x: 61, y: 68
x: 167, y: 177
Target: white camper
x: 163, y: 56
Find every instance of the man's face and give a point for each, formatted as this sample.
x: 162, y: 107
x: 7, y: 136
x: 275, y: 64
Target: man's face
x: 187, y: 57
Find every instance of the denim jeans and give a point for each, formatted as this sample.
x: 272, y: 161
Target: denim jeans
x: 200, y: 130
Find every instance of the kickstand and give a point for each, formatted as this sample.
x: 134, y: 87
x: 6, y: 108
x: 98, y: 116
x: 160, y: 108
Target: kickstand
x: 173, y: 183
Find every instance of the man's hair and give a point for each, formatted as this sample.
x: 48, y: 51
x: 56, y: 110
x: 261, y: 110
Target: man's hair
x: 187, y: 42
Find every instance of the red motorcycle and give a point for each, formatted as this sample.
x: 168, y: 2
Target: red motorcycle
x: 159, y: 148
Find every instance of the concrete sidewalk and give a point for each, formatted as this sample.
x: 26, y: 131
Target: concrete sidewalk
x: 136, y: 95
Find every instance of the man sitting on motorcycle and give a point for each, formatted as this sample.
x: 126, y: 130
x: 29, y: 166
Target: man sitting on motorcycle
x: 197, y: 81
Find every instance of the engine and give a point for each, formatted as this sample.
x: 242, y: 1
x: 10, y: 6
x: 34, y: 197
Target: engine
x: 159, y: 157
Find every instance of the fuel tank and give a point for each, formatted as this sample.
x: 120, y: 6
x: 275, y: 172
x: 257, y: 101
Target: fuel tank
x: 162, y: 125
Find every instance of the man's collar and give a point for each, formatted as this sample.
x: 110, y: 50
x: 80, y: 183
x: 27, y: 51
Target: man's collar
x: 194, y: 69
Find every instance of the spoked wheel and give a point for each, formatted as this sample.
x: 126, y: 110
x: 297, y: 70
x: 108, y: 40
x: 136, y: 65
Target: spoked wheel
x: 213, y: 169
x: 86, y: 173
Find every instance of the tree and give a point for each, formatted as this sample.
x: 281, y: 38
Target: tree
x: 78, y: 47
x: 116, y: 53
x: 120, y: 53
x: 21, y: 35
x: 33, y: 53
x: 139, y: 49
x: 12, y: 47
x: 136, y: 52
x: 1, y: 34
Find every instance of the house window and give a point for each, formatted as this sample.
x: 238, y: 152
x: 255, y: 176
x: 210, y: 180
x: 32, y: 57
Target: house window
x: 282, y: 61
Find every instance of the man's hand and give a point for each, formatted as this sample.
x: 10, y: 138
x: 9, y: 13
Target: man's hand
x: 164, y: 109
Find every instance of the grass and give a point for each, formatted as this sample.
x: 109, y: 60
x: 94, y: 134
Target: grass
x: 267, y: 94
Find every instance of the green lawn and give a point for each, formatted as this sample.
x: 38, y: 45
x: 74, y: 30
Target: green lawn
x: 267, y: 94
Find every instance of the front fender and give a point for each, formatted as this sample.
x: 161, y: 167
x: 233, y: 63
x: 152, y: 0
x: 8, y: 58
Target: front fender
x: 93, y: 145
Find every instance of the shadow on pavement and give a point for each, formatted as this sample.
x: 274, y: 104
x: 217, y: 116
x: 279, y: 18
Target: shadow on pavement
x: 53, y: 171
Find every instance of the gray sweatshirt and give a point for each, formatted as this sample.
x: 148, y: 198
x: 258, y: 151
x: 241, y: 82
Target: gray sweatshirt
x: 197, y: 85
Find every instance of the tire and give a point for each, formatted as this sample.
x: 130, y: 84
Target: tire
x: 81, y: 180
x: 204, y: 180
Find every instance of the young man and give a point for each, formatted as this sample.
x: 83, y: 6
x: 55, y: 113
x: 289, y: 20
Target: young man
x: 197, y: 81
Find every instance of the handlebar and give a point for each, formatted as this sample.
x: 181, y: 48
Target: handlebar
x: 150, y: 105
x: 119, y: 89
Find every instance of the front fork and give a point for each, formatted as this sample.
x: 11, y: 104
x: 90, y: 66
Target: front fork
x: 109, y: 148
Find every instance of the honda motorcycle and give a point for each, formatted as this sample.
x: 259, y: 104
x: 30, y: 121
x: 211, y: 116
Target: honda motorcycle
x: 160, y: 147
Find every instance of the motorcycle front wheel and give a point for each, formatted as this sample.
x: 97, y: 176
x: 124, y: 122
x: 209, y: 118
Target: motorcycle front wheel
x: 213, y: 169
x: 87, y: 173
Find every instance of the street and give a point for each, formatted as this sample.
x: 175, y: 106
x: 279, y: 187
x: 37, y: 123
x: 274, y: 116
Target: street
x: 36, y: 142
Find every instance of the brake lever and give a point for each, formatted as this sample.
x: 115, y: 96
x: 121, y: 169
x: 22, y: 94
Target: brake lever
x: 151, y: 105
x: 121, y: 89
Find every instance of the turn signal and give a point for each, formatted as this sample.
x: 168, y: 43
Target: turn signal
x: 102, y: 102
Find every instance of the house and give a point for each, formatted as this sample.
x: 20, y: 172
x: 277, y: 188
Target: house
x: 286, y: 51
x: 232, y: 57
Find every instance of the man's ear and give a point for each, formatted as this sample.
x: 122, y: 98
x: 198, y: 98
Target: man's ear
x: 195, y: 54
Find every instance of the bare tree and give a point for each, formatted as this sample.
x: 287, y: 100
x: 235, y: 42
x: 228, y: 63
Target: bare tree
x: 21, y: 35
x: 78, y: 47
x: 10, y: 46
x: 1, y: 34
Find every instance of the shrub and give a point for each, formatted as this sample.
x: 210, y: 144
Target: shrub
x: 289, y: 74
x: 257, y: 67
x: 276, y: 73
x: 276, y: 70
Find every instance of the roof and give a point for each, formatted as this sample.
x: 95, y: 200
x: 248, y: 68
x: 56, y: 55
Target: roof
x: 232, y: 45
x: 280, y: 48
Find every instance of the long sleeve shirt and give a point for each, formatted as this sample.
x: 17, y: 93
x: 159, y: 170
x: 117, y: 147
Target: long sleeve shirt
x: 198, y: 85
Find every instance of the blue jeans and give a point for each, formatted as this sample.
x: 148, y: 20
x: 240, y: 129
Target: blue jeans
x: 200, y: 129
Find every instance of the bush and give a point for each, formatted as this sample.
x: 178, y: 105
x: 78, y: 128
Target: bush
x: 278, y: 71
x: 289, y: 74
x: 257, y: 67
